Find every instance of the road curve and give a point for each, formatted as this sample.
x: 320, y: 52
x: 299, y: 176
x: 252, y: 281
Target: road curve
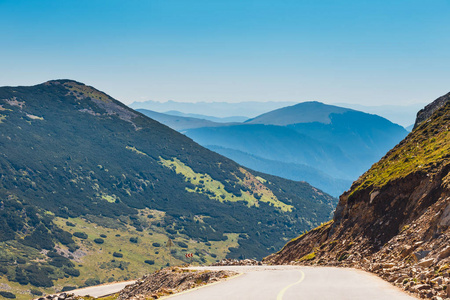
x: 292, y: 282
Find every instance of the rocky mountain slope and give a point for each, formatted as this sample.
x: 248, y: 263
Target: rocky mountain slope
x: 91, y: 191
x: 395, y: 219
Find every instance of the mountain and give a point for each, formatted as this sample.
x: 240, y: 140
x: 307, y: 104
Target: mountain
x: 231, y: 119
x: 306, y: 112
x: 216, y: 109
x: 403, y: 115
x: 293, y: 171
x: 395, y: 219
x: 297, y: 172
x: 91, y: 191
x: 179, y: 123
x: 336, y: 141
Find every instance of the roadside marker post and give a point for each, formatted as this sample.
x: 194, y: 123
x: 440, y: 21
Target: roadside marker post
x: 190, y: 255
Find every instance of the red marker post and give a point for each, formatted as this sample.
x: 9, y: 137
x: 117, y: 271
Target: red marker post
x: 190, y: 255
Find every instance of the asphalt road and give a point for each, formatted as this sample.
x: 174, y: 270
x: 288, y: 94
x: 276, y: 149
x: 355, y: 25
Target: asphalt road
x: 290, y: 282
x: 102, y: 290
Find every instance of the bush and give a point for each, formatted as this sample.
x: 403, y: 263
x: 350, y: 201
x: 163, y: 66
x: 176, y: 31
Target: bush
x: 70, y: 224
x: 134, y: 239
x: 72, y: 272
x: 99, y: 241
x: 36, y: 292
x: 80, y: 235
x: 60, y: 261
x: 182, y: 245
x: 91, y: 282
x: 7, y: 295
x: 103, y: 236
x: 150, y: 262
x: 21, y: 261
x: 156, y: 245
x: 68, y: 288
x: 3, y: 270
x: 117, y: 254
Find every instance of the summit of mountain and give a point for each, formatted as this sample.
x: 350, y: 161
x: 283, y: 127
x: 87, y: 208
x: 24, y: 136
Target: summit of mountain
x: 305, y: 112
x: 91, y: 191
x: 395, y: 219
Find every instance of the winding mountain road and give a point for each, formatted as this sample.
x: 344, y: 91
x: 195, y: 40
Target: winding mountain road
x: 291, y: 282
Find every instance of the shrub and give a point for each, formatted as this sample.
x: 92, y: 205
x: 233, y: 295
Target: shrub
x: 7, y: 295
x: 72, y: 272
x: 171, y: 231
x: 21, y: 261
x: 134, y: 239
x: 117, y: 254
x: 68, y: 288
x: 99, y: 241
x: 91, y: 282
x: 36, y: 292
x: 70, y: 224
x: 182, y: 245
x: 156, y: 245
x: 103, y: 236
x: 150, y: 262
x: 80, y: 235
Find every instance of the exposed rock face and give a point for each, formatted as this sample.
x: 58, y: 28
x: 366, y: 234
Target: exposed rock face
x: 395, y: 219
x: 169, y: 281
x: 425, y: 113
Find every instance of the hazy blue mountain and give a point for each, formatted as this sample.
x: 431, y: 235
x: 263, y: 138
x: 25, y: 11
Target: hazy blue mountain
x: 231, y: 119
x: 178, y: 122
x: 278, y: 143
x: 400, y: 114
x: 216, y: 109
x: 293, y: 171
x: 306, y: 112
x: 337, y: 141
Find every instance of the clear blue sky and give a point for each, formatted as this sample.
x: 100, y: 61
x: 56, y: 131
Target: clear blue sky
x: 367, y: 52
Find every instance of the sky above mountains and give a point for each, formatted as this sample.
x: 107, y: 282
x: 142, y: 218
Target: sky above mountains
x: 365, y: 52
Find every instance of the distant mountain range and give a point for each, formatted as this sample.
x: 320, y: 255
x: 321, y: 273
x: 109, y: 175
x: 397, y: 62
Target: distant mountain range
x: 216, y: 109
x: 403, y: 115
x: 91, y: 191
x: 327, y: 146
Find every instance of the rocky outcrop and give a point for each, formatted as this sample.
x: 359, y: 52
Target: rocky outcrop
x: 395, y: 220
x: 426, y: 112
x: 170, y: 281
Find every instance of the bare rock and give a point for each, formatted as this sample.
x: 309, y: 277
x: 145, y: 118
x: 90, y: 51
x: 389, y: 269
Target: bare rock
x: 426, y: 262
